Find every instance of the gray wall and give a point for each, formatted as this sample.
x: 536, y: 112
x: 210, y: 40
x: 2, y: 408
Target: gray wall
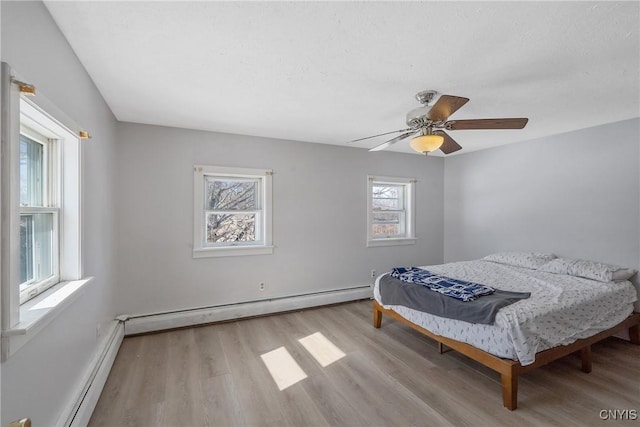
x: 41, y: 377
x: 574, y: 194
x: 319, y: 213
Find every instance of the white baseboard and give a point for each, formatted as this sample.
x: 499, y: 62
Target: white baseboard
x: 179, y: 319
x: 79, y: 411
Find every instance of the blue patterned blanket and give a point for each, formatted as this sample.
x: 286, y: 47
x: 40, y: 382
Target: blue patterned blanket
x: 455, y: 288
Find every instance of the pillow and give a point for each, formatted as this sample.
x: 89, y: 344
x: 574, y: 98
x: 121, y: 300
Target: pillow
x: 589, y: 270
x: 557, y: 266
x: 532, y: 260
x: 600, y: 271
x: 622, y: 274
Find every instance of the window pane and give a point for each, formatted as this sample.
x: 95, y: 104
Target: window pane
x: 388, y: 224
x: 384, y: 230
x: 229, y: 194
x: 36, y: 248
x: 387, y: 197
x: 31, y: 172
x: 26, y: 248
x: 231, y: 228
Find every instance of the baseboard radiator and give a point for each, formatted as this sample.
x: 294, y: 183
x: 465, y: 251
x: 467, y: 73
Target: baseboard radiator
x: 78, y: 412
x: 140, y: 324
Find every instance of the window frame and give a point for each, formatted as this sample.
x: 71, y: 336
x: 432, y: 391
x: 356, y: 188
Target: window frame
x: 257, y: 212
x: 408, y: 186
x: 263, y: 223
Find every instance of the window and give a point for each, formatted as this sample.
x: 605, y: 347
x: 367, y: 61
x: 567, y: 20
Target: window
x: 49, y: 202
x: 40, y: 198
x: 39, y: 213
x: 390, y: 211
x: 232, y: 211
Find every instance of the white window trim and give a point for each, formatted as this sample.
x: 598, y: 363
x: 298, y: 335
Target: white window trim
x: 38, y: 312
x: 21, y: 322
x: 202, y: 251
x: 69, y: 190
x: 410, y: 238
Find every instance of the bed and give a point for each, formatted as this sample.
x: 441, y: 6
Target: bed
x: 566, y: 312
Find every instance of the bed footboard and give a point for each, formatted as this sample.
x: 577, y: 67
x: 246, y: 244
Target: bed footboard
x: 509, y: 370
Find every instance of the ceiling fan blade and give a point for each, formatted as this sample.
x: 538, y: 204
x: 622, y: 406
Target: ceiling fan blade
x: 394, y: 140
x: 380, y: 134
x: 449, y: 145
x: 518, y: 123
x: 445, y: 106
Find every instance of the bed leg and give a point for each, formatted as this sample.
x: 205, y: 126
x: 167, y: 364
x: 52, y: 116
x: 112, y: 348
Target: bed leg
x: 377, y: 316
x: 585, y: 355
x: 442, y: 348
x: 510, y: 390
x: 634, y: 334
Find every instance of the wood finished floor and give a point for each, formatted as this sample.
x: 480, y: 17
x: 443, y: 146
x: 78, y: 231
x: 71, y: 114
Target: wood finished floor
x: 214, y: 376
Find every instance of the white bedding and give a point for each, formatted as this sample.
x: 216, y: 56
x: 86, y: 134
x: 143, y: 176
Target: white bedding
x: 561, y: 309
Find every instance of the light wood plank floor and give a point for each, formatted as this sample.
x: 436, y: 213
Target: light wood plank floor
x: 214, y: 376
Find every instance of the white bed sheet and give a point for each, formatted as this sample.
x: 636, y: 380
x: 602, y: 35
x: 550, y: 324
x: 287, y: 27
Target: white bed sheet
x: 561, y: 309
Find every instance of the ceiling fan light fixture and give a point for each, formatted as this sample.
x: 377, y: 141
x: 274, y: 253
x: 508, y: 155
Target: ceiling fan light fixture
x: 427, y: 143
x: 430, y: 121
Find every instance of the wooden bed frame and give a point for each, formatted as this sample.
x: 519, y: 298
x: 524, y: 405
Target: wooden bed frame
x: 509, y: 369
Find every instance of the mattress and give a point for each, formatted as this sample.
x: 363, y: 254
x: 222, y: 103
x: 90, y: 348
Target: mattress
x: 560, y: 310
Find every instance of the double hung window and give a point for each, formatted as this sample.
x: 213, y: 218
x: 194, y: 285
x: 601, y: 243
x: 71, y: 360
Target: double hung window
x: 232, y: 211
x: 390, y: 211
x: 40, y: 200
x: 39, y: 213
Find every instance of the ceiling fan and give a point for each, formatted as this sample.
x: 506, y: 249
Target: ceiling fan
x: 427, y: 124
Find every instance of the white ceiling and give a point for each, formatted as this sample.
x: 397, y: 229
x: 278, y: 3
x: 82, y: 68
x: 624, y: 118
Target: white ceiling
x: 330, y: 72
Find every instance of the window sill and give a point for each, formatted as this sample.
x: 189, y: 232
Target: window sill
x: 38, y: 312
x: 392, y: 242
x: 232, y: 251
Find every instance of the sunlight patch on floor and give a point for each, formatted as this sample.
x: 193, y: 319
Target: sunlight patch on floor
x: 283, y: 368
x: 323, y: 350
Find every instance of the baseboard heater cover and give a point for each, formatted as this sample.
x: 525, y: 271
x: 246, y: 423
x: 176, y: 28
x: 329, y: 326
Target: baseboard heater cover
x: 199, y: 316
x: 79, y: 411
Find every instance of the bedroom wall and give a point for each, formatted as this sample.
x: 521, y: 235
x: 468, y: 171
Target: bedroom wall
x: 41, y: 378
x: 575, y: 194
x: 319, y: 218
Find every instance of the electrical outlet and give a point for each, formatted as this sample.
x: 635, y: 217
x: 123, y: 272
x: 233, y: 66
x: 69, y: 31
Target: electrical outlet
x: 373, y: 274
x: 261, y: 286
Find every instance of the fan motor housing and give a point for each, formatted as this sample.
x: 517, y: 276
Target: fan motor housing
x: 417, y: 116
